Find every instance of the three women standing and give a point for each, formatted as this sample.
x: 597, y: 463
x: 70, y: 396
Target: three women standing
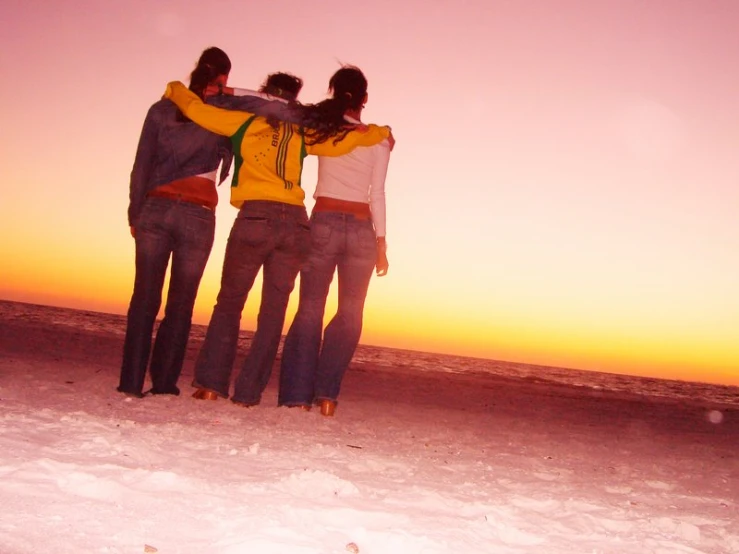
x: 271, y: 233
x: 171, y: 213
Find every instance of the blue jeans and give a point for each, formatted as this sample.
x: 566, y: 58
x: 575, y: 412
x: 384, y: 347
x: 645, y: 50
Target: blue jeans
x: 184, y: 232
x: 311, y: 372
x: 274, y: 237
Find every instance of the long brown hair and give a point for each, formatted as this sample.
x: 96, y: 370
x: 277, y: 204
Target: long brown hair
x: 325, y: 120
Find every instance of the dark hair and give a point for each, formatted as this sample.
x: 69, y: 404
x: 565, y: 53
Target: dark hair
x: 348, y: 88
x: 212, y: 63
x: 284, y: 85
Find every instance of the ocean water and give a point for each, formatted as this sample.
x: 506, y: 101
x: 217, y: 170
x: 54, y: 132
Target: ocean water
x: 720, y: 396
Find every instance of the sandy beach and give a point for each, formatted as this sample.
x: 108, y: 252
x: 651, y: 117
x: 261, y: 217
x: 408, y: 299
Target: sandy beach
x: 413, y: 462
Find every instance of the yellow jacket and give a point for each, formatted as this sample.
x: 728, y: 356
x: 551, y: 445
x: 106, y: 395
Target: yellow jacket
x: 268, y: 160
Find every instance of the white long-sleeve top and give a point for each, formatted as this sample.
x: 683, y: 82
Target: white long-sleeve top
x: 357, y: 177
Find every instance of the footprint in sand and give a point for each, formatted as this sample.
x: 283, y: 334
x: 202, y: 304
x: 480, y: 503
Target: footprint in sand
x: 619, y: 490
x: 659, y: 485
x: 87, y: 485
x: 547, y: 476
x: 542, y: 506
x: 681, y: 529
x: 314, y: 484
x: 513, y: 536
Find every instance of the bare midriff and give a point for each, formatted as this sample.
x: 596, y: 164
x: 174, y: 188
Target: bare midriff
x: 197, y: 190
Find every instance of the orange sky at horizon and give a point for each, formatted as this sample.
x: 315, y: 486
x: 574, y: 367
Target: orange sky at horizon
x: 563, y: 191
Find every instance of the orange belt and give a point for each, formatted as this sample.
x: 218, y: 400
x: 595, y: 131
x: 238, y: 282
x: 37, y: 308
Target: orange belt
x: 360, y: 210
x: 182, y: 198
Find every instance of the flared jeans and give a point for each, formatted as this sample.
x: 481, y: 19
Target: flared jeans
x: 183, y: 232
x: 273, y: 237
x: 314, y: 361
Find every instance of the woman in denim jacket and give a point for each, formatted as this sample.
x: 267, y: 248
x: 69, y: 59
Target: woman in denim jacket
x: 172, y: 215
x: 348, y: 236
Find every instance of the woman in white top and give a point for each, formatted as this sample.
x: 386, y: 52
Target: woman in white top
x: 348, y: 235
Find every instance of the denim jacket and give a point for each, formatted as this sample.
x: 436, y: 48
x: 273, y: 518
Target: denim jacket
x: 170, y: 149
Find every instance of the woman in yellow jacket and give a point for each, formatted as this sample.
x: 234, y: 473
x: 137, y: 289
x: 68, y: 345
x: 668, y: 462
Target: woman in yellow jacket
x: 271, y: 232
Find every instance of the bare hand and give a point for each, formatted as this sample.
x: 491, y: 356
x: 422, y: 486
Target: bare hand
x: 215, y: 89
x: 212, y: 90
x: 391, y: 140
x: 381, y: 265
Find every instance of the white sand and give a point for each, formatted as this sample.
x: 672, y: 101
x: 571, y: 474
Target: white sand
x: 412, y: 463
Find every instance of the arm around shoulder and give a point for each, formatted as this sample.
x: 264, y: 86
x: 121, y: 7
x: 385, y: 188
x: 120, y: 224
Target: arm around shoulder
x: 216, y: 120
x: 374, y: 134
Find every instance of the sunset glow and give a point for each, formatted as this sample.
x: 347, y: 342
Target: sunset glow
x: 564, y: 190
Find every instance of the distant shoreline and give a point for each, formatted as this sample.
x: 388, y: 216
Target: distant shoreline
x: 110, y: 328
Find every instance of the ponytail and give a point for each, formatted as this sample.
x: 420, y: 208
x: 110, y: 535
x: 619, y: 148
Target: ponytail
x: 325, y: 120
x: 200, y: 78
x: 213, y: 62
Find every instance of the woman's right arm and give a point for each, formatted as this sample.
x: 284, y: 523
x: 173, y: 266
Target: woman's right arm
x: 216, y: 120
x: 143, y: 164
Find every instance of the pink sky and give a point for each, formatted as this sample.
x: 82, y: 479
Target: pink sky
x: 563, y: 191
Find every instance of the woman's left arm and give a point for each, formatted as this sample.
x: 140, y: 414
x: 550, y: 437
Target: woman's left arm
x: 377, y: 203
x: 377, y: 186
x: 143, y: 166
